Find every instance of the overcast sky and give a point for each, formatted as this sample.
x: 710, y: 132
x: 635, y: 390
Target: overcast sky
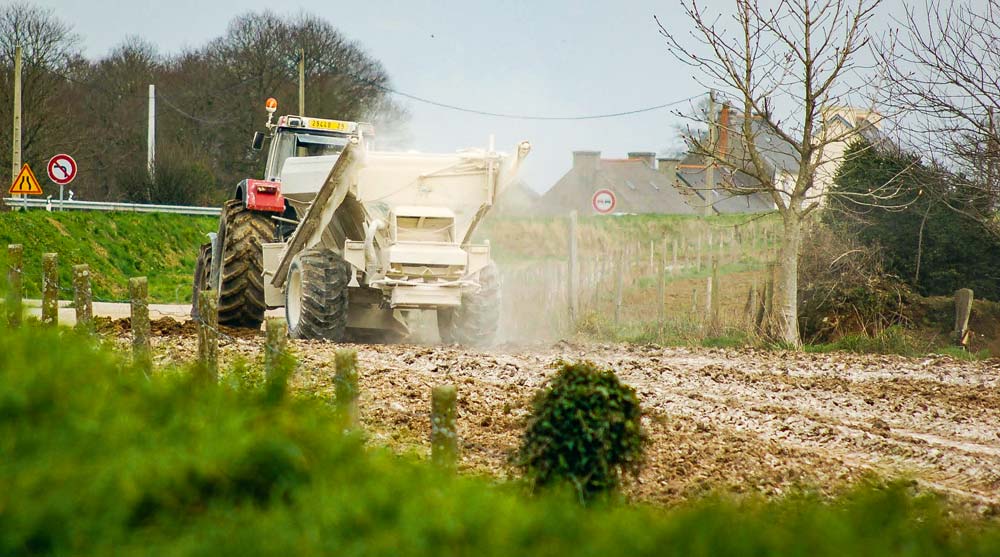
x: 548, y: 58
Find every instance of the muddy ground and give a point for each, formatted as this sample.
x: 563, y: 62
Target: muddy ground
x: 732, y: 420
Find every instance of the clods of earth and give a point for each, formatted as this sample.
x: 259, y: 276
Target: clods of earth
x: 728, y: 420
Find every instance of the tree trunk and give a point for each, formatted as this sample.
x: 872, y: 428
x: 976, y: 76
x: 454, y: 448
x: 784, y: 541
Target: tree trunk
x: 787, y: 297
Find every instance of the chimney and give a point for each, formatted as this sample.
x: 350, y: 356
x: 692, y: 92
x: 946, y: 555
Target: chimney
x: 645, y: 156
x: 585, y: 163
x: 668, y: 167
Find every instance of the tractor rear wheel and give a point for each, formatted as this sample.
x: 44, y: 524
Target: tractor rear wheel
x: 475, y: 322
x: 316, y: 295
x: 241, y: 274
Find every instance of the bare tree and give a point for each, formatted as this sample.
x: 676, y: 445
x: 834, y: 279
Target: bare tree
x: 945, y: 77
x: 783, y: 67
x: 50, y: 48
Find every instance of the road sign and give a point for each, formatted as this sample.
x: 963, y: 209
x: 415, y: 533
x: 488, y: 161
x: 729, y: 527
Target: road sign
x: 26, y: 183
x: 604, y: 201
x: 62, y: 169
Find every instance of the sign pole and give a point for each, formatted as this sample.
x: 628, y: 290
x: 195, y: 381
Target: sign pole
x: 15, y: 165
x: 151, y: 133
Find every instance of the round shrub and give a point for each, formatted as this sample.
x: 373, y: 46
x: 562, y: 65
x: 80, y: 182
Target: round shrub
x: 584, y: 430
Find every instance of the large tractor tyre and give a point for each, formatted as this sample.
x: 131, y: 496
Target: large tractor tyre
x: 241, y: 274
x: 202, y: 276
x: 475, y: 322
x: 316, y: 295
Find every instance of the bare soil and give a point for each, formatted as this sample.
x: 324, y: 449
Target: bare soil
x: 731, y: 420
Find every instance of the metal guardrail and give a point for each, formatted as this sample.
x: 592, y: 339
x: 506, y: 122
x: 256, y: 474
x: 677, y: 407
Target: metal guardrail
x: 67, y: 205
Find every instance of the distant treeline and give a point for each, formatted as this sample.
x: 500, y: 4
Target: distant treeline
x: 209, y: 100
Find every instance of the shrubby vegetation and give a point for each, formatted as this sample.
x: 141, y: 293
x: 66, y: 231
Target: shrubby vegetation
x: 925, y: 232
x: 98, y: 459
x: 585, y: 432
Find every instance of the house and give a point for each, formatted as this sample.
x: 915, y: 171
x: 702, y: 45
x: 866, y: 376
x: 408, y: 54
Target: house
x: 636, y: 182
x: 734, y: 191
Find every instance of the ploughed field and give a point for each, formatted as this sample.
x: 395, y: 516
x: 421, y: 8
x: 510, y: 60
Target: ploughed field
x: 718, y: 419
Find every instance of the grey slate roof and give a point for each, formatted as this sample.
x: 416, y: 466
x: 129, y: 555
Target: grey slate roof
x: 638, y: 188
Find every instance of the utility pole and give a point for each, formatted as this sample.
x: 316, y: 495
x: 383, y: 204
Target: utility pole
x: 151, y: 134
x: 302, y: 82
x: 710, y: 169
x: 15, y: 165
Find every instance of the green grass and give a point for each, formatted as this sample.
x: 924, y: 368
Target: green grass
x: 117, y: 246
x: 98, y: 459
x: 514, y: 239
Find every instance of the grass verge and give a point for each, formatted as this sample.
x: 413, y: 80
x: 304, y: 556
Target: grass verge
x: 116, y: 245
x: 99, y: 459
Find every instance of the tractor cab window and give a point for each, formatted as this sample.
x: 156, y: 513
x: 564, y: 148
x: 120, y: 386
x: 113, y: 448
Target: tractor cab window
x: 289, y: 144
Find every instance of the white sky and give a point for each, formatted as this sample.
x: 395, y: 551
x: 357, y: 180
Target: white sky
x: 552, y: 58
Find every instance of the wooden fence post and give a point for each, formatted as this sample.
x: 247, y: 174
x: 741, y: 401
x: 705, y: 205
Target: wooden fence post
x: 619, y: 286
x: 15, y: 260
x: 661, y: 286
x: 346, y: 388
x: 963, y: 309
x: 83, y: 298
x: 573, y: 276
x: 275, y: 344
x: 444, y: 434
x: 50, y: 289
x: 716, y: 299
x: 208, y: 334
x: 673, y: 265
x: 138, y: 290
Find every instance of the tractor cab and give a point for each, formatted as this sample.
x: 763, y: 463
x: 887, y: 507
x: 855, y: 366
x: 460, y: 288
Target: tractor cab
x: 304, y: 136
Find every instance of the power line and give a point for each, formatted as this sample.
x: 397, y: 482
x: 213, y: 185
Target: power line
x: 533, y: 116
x: 516, y: 116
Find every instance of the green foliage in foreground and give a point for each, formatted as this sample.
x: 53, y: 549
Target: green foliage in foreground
x: 117, y: 246
x: 96, y: 459
x: 585, y: 431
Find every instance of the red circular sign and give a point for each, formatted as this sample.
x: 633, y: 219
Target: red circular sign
x: 604, y: 201
x: 62, y: 169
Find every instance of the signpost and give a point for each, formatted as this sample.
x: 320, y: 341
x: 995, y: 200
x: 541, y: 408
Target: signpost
x: 604, y: 201
x: 62, y: 169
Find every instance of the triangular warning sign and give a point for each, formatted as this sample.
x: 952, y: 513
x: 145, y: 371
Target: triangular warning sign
x: 26, y: 183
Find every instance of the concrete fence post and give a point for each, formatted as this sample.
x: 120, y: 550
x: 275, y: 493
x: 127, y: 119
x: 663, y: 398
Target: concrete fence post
x: 444, y: 434
x: 50, y: 289
x: 208, y: 334
x: 15, y: 261
x: 138, y: 290
x: 963, y: 310
x: 83, y: 298
x: 346, y: 388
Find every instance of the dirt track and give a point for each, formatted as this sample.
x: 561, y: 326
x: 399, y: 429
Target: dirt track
x: 737, y: 420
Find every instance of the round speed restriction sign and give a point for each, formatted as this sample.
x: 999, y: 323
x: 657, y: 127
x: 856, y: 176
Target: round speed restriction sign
x: 604, y: 201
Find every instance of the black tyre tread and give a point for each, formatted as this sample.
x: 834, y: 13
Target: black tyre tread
x: 475, y: 322
x: 241, y: 292
x: 325, y: 276
x: 202, y: 276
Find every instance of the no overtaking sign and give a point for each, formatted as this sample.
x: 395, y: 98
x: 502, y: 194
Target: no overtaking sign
x: 603, y: 201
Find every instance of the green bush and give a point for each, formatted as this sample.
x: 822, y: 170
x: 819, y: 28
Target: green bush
x: 585, y: 430
x: 928, y: 238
